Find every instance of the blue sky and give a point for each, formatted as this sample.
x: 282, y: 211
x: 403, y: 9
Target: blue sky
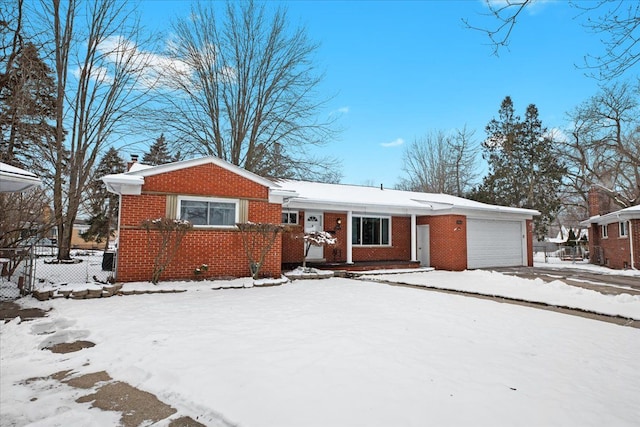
x: 400, y: 70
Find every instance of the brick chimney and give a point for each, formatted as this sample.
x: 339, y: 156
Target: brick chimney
x: 134, y: 159
x: 599, y: 203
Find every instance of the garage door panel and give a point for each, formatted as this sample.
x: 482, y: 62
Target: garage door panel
x: 492, y: 243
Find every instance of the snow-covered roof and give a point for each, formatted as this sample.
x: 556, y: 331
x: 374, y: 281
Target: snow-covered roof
x: 315, y: 195
x: 323, y: 196
x: 16, y: 180
x: 625, y: 214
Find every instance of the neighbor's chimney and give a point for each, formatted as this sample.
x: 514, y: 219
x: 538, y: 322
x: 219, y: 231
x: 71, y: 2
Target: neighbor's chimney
x: 134, y: 159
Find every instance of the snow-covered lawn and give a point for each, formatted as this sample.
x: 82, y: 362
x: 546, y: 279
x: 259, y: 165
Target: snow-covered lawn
x: 332, y: 352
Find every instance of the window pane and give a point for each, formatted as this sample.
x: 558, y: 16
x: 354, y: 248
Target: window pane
x: 194, y: 212
x: 370, y: 231
x: 385, y: 231
x: 289, y: 217
x: 222, y: 213
x: 355, y: 231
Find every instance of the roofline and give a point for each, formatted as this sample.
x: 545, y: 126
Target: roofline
x: 441, y: 209
x: 612, y: 217
x: 170, y: 167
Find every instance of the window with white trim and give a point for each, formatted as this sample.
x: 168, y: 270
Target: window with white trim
x: 371, y: 230
x: 289, y: 217
x: 604, y: 231
x: 205, y: 211
x: 623, y: 229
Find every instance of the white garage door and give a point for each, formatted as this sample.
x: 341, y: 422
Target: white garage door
x: 493, y: 243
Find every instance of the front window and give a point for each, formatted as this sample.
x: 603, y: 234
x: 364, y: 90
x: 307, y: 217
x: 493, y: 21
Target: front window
x: 605, y: 231
x: 289, y: 217
x: 623, y: 228
x: 209, y: 212
x: 371, y: 230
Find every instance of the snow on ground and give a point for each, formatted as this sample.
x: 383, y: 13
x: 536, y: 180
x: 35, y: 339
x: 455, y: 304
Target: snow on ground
x: 497, y: 284
x: 555, y: 262
x: 333, y: 352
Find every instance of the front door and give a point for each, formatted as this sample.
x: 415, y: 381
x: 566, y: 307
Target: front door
x: 424, y: 254
x: 313, y: 222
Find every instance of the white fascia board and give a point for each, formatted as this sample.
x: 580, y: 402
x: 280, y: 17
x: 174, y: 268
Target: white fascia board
x: 123, y: 183
x: 497, y: 212
x: 431, y: 209
x: 280, y: 195
x: 16, y: 180
x: 625, y: 214
x: 328, y: 206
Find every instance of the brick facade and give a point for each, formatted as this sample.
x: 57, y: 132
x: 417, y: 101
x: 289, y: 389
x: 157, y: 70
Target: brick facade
x: 221, y: 249
x: 448, y: 246
x: 399, y: 250
x: 613, y: 251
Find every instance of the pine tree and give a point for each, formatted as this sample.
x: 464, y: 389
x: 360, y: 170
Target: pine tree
x: 102, y: 205
x: 159, y: 153
x: 524, y: 172
x: 27, y: 108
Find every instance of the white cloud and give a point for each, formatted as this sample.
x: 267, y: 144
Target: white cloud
x: 343, y: 110
x: 557, y: 135
x: 394, y: 143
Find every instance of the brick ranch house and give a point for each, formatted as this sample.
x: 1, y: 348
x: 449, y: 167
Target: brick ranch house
x: 371, y: 224
x: 614, y: 235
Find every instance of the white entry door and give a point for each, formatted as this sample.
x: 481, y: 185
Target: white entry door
x: 313, y: 222
x: 424, y: 254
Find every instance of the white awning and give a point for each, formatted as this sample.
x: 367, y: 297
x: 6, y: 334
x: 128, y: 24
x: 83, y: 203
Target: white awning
x: 16, y: 180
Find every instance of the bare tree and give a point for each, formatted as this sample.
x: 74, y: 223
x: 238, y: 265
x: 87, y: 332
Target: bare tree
x: 603, y: 147
x: 440, y: 163
x: 25, y: 219
x: 617, y: 22
x: 243, y: 88
x: 100, y: 84
x: 164, y: 237
x: 257, y: 241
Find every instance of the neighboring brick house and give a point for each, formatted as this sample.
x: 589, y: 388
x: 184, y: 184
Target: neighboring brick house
x: 614, y: 235
x: 371, y: 224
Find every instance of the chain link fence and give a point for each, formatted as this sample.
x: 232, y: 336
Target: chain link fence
x: 40, y: 267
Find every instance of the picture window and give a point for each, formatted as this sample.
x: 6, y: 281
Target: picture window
x: 371, y: 231
x: 209, y: 212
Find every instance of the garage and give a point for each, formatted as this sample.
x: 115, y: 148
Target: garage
x: 493, y: 243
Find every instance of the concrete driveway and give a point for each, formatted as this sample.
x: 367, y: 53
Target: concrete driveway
x: 606, y: 283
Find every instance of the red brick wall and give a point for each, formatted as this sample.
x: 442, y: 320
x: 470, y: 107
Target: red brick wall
x: 448, y: 249
x: 220, y: 249
x: 400, y: 249
x: 616, y: 250
x: 205, y: 180
x: 293, y: 247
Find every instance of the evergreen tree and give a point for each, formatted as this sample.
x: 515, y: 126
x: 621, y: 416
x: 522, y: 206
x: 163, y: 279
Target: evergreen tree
x: 102, y: 205
x: 524, y: 172
x: 159, y: 153
x: 27, y: 109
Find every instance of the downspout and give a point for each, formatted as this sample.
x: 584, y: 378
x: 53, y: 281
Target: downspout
x: 117, y: 248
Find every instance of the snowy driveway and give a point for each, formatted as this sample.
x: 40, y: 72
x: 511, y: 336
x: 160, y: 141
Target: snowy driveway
x: 333, y: 352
